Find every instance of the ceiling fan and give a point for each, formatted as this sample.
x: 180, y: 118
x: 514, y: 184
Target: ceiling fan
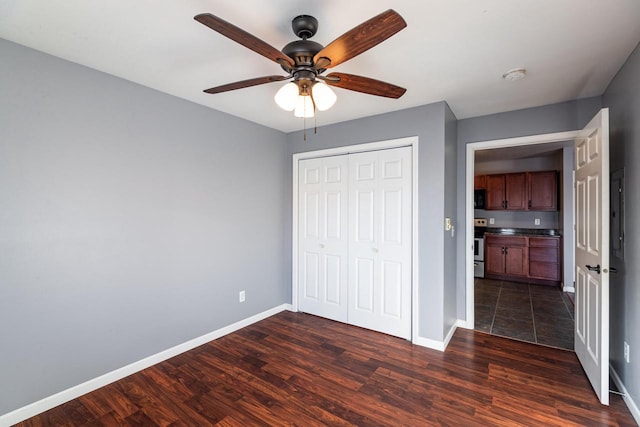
x: 305, y: 61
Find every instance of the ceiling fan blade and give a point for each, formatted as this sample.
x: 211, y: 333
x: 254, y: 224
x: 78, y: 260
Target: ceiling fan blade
x: 246, y: 83
x: 245, y: 39
x: 364, y: 85
x: 361, y: 38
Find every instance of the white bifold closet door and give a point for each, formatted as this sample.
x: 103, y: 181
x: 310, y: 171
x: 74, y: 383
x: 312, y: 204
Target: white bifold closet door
x: 355, y: 239
x: 323, y: 245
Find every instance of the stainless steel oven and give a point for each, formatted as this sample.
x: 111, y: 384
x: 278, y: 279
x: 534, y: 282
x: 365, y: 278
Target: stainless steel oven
x: 478, y: 248
x: 479, y: 228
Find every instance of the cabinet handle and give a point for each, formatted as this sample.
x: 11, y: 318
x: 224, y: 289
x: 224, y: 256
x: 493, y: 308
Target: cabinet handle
x: 502, y: 250
x: 529, y: 204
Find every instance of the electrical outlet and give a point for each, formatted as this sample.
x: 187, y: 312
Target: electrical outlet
x: 241, y: 296
x: 536, y: 221
x: 492, y: 220
x: 626, y: 352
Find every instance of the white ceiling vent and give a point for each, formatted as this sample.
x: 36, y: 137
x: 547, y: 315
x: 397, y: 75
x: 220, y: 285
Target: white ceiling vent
x: 515, y: 74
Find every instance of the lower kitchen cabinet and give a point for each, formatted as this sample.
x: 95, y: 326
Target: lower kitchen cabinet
x: 523, y: 258
x: 506, y: 255
x: 544, y: 258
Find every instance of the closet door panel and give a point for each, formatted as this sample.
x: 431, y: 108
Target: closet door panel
x: 385, y: 177
x: 322, y: 243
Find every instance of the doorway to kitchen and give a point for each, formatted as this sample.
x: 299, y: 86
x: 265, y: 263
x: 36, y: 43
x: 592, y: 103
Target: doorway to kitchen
x: 518, y: 270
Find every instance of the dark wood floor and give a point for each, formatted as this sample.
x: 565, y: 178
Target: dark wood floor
x: 297, y: 369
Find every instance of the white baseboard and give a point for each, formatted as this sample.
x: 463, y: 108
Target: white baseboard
x: 440, y: 345
x: 429, y: 343
x: 462, y: 324
x: 633, y: 408
x: 74, y: 392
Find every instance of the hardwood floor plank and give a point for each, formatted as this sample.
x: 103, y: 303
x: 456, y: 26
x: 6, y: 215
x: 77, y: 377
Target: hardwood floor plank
x: 297, y: 369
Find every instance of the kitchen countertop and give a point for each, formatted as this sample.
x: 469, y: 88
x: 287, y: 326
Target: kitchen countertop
x: 524, y: 232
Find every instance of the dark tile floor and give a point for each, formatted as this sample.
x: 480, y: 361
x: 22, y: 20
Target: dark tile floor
x: 534, y: 313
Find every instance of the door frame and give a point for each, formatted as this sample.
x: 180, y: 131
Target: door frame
x: 471, y: 148
x: 412, y: 142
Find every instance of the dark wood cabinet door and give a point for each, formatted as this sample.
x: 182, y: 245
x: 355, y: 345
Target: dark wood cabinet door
x: 543, y: 191
x: 516, y: 261
x: 516, y: 191
x: 494, y: 258
x: 480, y: 182
x: 495, y: 192
x: 544, y: 258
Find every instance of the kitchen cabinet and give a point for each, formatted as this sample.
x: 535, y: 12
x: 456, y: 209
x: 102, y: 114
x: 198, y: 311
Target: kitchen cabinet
x: 544, y: 258
x: 532, y: 259
x: 543, y: 191
x: 507, y: 191
x: 534, y: 191
x: 480, y: 182
x: 506, y: 255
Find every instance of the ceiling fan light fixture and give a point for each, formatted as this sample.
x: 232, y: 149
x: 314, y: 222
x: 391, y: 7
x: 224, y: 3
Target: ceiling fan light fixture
x: 287, y: 96
x: 304, y: 106
x: 323, y: 96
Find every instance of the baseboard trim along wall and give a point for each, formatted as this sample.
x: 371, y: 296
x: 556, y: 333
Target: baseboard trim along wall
x: 59, y: 398
x: 633, y: 408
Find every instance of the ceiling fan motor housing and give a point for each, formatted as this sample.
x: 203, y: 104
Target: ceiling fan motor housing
x: 303, y: 51
x: 304, y: 26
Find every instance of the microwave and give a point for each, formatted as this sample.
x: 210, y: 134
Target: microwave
x: 479, y: 199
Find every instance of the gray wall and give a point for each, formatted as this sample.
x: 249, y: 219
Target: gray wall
x: 561, y: 117
x: 428, y: 123
x: 130, y: 220
x: 623, y: 100
x: 450, y: 208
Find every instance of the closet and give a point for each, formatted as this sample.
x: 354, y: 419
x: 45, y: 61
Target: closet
x: 354, y: 239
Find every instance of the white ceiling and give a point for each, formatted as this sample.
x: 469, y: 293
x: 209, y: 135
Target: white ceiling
x: 453, y: 50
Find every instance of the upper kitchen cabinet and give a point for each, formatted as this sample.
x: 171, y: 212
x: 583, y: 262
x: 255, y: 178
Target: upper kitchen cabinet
x: 480, y: 182
x: 534, y: 191
x: 543, y: 191
x: 507, y: 191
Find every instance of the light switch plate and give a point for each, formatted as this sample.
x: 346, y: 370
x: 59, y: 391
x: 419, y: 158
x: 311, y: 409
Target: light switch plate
x: 492, y: 220
x: 536, y: 221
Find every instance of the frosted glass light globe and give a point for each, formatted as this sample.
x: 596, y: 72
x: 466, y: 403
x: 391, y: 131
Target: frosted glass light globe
x: 287, y: 96
x: 304, y: 107
x: 323, y: 96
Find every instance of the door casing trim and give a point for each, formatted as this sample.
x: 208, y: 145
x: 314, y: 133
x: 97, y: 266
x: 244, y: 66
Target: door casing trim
x: 471, y: 148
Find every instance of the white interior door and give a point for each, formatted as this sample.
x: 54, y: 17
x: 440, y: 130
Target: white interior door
x: 322, y: 233
x: 380, y: 241
x: 592, y: 253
